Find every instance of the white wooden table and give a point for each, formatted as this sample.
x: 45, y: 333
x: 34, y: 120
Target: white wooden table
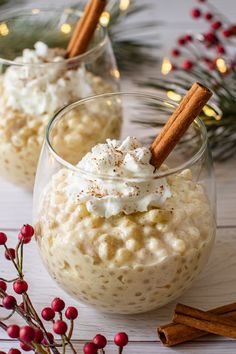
x: 214, y: 287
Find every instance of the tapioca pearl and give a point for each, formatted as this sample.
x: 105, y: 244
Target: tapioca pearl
x: 131, y: 231
x: 179, y: 246
x: 153, y: 244
x: 161, y: 254
x: 161, y: 227
x: 147, y: 230
x: 133, y: 245
x: 106, y: 251
x: 142, y: 254
x: 122, y: 256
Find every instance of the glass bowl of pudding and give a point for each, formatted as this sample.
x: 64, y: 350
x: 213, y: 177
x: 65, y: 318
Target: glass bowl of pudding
x: 36, y: 81
x: 113, y: 232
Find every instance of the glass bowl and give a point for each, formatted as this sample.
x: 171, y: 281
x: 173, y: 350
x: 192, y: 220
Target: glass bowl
x: 126, y: 263
x: 33, y: 90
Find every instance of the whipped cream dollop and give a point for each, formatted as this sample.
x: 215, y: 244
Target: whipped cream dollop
x: 135, y: 190
x: 44, y: 84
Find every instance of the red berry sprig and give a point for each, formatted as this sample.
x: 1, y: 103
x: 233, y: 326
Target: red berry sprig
x: 33, y: 336
x: 213, y: 43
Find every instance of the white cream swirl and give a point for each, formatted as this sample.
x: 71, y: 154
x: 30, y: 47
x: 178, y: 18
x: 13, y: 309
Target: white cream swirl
x: 45, y: 83
x: 127, y: 160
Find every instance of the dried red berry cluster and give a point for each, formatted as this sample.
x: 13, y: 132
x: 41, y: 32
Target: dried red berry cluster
x: 206, y: 48
x: 34, y: 336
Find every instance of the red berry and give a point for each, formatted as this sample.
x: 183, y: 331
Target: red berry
x: 210, y: 37
x: 100, y: 341
x: 175, y: 52
x: 227, y: 33
x: 20, y: 286
x: 71, y: 313
x: 27, y: 230
x: 4, y: 352
x: 58, y: 304
x: 50, y: 339
x: 13, y: 331
x: 25, y: 347
x: 196, y: 13
x: 48, y: 313
x: 3, y: 285
x: 121, y: 339
x: 220, y: 49
x: 26, y: 334
x: 13, y: 351
x: 216, y: 25
x: 3, y: 238
x: 181, y: 41
x: 10, y: 253
x: 208, y: 16
x: 90, y: 348
x: 188, y: 38
x: 60, y: 327
x: 38, y: 335
x: 24, y: 239
x: 9, y: 302
x: 187, y: 64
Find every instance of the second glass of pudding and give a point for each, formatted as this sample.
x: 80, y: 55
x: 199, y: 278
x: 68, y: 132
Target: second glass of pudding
x: 36, y: 81
x: 112, y: 231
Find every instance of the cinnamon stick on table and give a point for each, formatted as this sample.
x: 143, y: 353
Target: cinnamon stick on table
x: 85, y: 28
x: 175, y: 333
x: 188, y: 109
x: 205, y: 321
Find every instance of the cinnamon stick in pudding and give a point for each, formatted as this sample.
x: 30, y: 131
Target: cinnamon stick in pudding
x: 174, y: 333
x: 79, y: 27
x: 204, y: 321
x: 85, y: 28
x: 188, y: 109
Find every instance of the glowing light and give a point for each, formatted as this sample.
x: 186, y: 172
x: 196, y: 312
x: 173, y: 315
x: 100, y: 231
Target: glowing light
x: 221, y: 66
x: 35, y: 11
x: 115, y: 73
x: 124, y: 4
x: 173, y: 96
x: 104, y: 19
x: 209, y: 112
x: 66, y: 28
x: 166, y: 66
x: 4, y: 30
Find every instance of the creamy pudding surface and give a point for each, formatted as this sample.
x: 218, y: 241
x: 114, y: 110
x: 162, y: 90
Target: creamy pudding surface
x: 125, y: 241
x: 29, y: 96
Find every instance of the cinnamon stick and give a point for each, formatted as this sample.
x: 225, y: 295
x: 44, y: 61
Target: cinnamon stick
x: 188, y: 109
x: 78, y: 27
x: 204, y: 321
x: 85, y: 28
x: 174, y: 333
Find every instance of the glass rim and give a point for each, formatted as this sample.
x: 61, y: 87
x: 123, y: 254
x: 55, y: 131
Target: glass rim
x: 160, y: 174
x: 8, y: 14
